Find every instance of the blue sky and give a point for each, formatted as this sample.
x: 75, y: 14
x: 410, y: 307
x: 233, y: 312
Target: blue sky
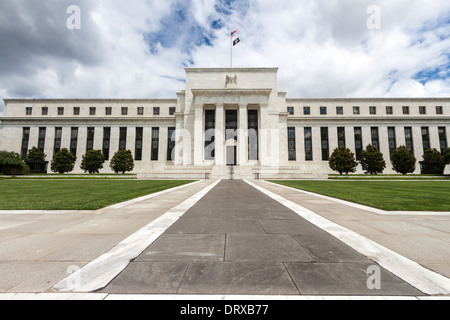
x: 139, y: 48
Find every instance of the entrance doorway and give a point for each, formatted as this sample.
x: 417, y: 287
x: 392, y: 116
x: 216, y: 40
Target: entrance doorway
x: 231, y: 156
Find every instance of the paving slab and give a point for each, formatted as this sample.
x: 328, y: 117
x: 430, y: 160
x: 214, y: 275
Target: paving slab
x: 238, y: 241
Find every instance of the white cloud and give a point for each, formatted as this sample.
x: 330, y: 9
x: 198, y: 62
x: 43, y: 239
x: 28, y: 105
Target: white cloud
x: 323, y: 48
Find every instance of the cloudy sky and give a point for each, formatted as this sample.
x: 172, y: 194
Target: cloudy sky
x: 139, y: 48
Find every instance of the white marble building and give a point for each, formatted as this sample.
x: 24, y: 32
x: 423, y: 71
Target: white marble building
x: 226, y: 120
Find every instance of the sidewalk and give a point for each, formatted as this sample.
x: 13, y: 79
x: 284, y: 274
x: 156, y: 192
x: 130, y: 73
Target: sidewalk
x: 39, y: 249
x: 424, y: 239
x: 238, y: 241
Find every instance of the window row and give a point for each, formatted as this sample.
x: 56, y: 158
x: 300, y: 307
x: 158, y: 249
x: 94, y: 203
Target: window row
x: 389, y: 110
x: 93, y: 111
x: 106, y: 144
x: 358, y: 140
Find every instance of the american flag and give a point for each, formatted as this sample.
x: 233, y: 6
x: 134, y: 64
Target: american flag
x: 233, y: 33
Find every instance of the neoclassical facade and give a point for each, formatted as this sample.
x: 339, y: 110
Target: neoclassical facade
x: 226, y: 123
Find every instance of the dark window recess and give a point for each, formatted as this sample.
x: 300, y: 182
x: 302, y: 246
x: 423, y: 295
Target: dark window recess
x: 58, y: 137
x: 106, y: 142
x: 25, y: 142
x: 90, y: 139
x: 308, y: 144
x: 409, y: 139
x: 123, y: 139
x: 41, y: 142
x: 325, y: 144
x: 443, y: 138
x: 375, y: 138
x: 155, y: 144
x: 139, y: 142
x: 171, y: 144
x: 292, y: 144
x: 74, y: 141
x: 341, y: 137
x: 231, y: 125
x: 392, y: 140
x: 426, y: 138
x: 210, y: 126
x: 358, y: 142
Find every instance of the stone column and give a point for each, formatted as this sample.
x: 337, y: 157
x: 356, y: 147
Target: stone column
x: 243, y: 135
x: 219, y: 136
x: 434, y: 138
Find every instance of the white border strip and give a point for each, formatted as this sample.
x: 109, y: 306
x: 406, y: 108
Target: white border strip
x: 97, y: 274
x: 421, y: 278
x: 363, y: 207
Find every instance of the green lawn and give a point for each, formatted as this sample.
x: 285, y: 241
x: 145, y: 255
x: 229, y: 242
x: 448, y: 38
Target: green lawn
x: 74, y: 194
x: 386, y: 195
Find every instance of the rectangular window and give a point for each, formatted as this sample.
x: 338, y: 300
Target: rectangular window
x: 325, y: 144
x: 341, y: 137
x: 156, y: 111
x: 140, y: 111
x: 339, y: 110
x: 426, y: 138
x: 123, y: 139
x: 231, y: 125
x: 423, y: 110
x: 323, y: 111
x: 60, y: 111
x: 358, y: 142
x: 210, y: 126
x: 290, y: 110
x: 392, y: 140
x: 308, y: 144
x: 155, y: 144
x: 375, y: 137
x: 124, y: 111
x: 373, y: 110
x: 108, y: 111
x: 76, y: 111
x: 29, y: 111
x: 356, y: 111
x: 405, y: 110
x: 138, y: 144
x: 92, y: 111
x: 409, y: 139
x: 253, y: 133
x: 171, y: 144
x: 172, y: 111
x: 439, y: 110
x: 74, y: 141
x: 106, y: 142
x: 443, y: 138
x: 58, y: 137
x: 389, y: 110
x: 90, y: 138
x: 306, y: 111
x: 25, y: 142
x: 291, y: 144
x: 44, y: 111
x: 41, y: 142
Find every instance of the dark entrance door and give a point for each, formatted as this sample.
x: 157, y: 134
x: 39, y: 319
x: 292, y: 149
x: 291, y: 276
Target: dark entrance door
x: 231, y: 155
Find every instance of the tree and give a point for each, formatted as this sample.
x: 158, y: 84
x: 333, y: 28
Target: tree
x: 403, y: 161
x: 431, y: 155
x: 93, y: 161
x: 122, y: 162
x: 445, y: 159
x: 63, y: 162
x: 11, y: 163
x: 36, y: 154
x: 343, y: 161
x: 372, y: 160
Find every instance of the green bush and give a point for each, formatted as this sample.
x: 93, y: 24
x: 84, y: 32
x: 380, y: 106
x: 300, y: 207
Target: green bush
x: 403, y: 161
x: 93, y: 161
x: 372, y: 160
x: 343, y: 161
x: 122, y: 162
x: 11, y: 163
x: 35, y: 155
x: 63, y: 162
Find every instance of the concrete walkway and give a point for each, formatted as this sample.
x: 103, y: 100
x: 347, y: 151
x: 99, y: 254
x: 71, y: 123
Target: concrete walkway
x: 238, y: 241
